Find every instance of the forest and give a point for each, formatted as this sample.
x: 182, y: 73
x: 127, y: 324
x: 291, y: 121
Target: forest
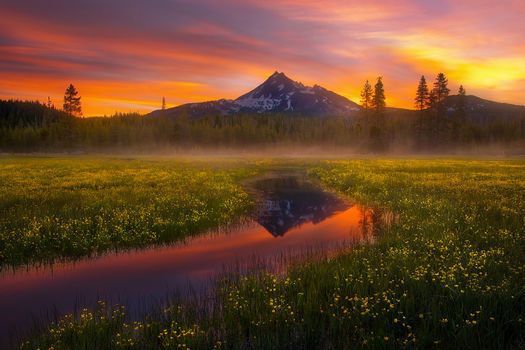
x: 34, y: 127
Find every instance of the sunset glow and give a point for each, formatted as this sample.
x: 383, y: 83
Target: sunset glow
x: 126, y: 55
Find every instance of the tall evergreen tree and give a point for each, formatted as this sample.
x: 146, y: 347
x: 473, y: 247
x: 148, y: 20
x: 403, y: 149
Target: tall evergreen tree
x: 422, y: 94
x: 366, y: 96
x: 422, y: 102
x: 432, y: 100
x: 439, y: 125
x: 377, y: 140
x: 378, y: 100
x: 440, y: 89
x: 72, y: 104
x: 462, y: 99
x: 458, y: 123
x: 461, y: 91
x: 163, y: 103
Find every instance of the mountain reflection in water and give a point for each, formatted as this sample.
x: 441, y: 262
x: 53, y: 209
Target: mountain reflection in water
x: 291, y: 201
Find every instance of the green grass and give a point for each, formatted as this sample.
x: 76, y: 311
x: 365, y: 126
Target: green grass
x: 57, y: 208
x: 449, y: 274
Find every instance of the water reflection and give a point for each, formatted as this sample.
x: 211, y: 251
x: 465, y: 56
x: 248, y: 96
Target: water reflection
x: 293, y: 216
x: 289, y: 202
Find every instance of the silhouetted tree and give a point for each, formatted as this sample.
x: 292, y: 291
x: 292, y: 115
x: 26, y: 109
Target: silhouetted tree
x: 440, y: 89
x: 378, y: 100
x: 422, y: 102
x: 366, y: 96
x: 377, y: 141
x: 72, y: 104
x: 422, y: 95
x: 462, y: 101
x: 458, y: 126
x: 49, y: 103
x: 163, y: 103
x: 432, y: 100
x: 438, y: 95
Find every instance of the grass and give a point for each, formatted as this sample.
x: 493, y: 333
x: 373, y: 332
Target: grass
x: 449, y: 274
x: 59, y: 208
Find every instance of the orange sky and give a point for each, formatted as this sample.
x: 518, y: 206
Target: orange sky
x: 124, y: 55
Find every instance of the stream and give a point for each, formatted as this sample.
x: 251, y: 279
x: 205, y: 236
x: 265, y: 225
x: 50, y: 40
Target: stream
x: 293, y: 216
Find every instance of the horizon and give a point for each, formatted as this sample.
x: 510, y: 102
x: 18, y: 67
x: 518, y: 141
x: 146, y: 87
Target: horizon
x: 127, y: 56
x: 145, y: 113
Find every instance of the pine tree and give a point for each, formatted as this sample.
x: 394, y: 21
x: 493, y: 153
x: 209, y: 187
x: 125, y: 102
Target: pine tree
x: 422, y: 102
x: 441, y: 89
x: 378, y: 100
x: 462, y: 91
x: 376, y: 131
x: 439, y: 124
x: 422, y: 94
x: 461, y: 99
x: 366, y: 96
x: 458, y: 123
x: 432, y: 100
x: 163, y: 103
x: 72, y: 104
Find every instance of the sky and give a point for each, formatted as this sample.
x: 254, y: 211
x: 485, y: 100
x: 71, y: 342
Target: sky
x: 125, y: 55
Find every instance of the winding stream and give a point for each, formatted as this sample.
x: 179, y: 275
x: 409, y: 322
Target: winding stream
x: 293, y: 216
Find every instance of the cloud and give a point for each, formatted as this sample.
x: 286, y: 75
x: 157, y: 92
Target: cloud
x: 122, y: 51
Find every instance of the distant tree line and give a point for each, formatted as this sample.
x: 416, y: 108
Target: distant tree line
x: 439, y: 123
x: 434, y: 123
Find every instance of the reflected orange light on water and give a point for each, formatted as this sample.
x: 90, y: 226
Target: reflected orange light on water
x: 200, y: 256
x: 148, y: 276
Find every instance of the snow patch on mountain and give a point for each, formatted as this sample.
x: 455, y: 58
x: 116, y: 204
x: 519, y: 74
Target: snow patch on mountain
x: 259, y: 103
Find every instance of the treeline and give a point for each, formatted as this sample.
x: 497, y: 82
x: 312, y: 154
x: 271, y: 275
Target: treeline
x: 441, y: 121
x: 30, y: 127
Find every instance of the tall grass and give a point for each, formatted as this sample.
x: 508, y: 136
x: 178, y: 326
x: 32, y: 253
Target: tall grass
x: 450, y: 274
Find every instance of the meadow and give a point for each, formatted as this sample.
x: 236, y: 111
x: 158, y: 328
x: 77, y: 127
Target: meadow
x: 66, y: 208
x: 448, y: 274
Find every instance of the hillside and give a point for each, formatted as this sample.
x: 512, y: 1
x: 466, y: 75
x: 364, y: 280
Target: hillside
x: 29, y: 113
x: 479, y: 110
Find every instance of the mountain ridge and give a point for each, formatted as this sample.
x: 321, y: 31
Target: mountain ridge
x: 280, y: 94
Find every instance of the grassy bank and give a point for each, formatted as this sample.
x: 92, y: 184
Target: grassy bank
x: 449, y: 274
x: 55, y: 208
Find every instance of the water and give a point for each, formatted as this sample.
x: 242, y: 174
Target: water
x: 293, y: 216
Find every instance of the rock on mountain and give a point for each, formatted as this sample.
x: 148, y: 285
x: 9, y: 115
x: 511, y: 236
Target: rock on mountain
x: 278, y: 94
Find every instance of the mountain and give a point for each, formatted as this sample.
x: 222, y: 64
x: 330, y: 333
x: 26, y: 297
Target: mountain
x: 479, y: 110
x: 278, y: 94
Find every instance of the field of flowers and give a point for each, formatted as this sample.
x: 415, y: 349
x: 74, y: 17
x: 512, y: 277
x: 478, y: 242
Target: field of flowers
x: 449, y: 274
x: 55, y: 208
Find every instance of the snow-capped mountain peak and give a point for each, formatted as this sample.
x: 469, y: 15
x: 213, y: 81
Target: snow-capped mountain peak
x: 277, y: 94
